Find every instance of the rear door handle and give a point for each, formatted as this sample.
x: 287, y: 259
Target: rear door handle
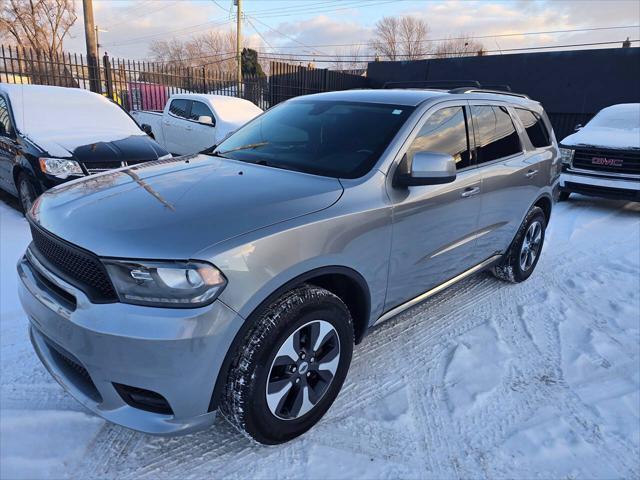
x: 531, y: 173
x: 470, y: 192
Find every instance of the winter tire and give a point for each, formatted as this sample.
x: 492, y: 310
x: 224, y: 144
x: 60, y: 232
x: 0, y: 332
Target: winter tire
x: 290, y: 366
x: 26, y: 192
x: 522, y: 257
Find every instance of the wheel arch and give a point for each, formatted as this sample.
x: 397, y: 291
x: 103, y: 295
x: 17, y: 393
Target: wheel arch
x: 545, y: 203
x: 344, y: 282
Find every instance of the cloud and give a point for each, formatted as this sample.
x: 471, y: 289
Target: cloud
x: 132, y: 20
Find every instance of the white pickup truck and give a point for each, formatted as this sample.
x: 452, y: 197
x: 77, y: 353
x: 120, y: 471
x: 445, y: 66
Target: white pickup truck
x: 192, y: 122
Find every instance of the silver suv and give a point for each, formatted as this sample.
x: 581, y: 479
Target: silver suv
x: 239, y: 281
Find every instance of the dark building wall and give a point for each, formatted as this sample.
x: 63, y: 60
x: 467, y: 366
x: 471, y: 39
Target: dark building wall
x: 571, y: 85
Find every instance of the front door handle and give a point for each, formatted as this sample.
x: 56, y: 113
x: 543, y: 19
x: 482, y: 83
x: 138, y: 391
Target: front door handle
x: 470, y: 192
x: 531, y: 173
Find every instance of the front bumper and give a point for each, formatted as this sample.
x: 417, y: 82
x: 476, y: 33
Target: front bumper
x: 594, y: 185
x: 90, y: 349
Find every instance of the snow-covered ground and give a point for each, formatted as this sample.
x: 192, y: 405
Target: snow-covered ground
x: 486, y: 380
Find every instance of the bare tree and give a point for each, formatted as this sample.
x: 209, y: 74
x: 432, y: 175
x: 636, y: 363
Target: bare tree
x: 386, y: 38
x: 349, y: 60
x: 214, y: 49
x: 38, y: 24
x: 413, y: 33
x: 463, y: 46
x: 400, y: 38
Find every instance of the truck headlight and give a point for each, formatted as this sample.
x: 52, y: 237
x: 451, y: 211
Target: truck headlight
x: 166, y: 284
x: 566, y: 155
x: 60, y: 167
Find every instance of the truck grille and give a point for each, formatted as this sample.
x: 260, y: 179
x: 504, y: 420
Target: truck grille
x: 608, y: 161
x: 75, y: 265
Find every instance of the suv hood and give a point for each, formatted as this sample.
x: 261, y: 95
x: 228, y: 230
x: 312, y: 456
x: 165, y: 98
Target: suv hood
x: 100, y: 147
x: 604, y: 137
x: 172, y: 209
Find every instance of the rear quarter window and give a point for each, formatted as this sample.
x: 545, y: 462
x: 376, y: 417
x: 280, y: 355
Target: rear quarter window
x: 495, y: 134
x: 179, y: 107
x: 535, y: 128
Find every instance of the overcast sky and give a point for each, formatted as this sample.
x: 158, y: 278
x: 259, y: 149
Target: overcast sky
x: 301, y: 26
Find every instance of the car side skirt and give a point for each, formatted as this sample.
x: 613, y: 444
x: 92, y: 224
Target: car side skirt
x: 429, y: 293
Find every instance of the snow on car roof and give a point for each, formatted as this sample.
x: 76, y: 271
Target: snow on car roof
x: 44, y: 112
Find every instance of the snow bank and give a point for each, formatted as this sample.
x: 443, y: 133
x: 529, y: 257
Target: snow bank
x: 486, y: 380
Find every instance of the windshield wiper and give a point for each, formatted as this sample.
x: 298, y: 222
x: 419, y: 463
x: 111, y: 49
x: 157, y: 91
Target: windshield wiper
x: 249, y: 146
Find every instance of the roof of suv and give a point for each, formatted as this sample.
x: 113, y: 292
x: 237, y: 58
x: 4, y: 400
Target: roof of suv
x: 409, y: 97
x: 414, y: 96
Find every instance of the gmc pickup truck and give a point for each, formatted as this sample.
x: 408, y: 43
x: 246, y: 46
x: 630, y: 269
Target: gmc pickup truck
x: 191, y: 122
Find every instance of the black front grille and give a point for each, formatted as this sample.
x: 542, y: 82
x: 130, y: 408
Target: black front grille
x: 75, y: 265
x: 609, y: 161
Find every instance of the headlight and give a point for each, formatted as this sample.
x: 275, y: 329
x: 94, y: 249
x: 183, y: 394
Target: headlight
x: 166, y: 284
x: 59, y: 167
x: 566, y: 154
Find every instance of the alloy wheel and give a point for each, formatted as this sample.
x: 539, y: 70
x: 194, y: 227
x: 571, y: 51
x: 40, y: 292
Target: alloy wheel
x: 530, y: 246
x: 302, y: 370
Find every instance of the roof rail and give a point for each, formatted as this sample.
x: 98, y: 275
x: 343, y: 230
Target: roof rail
x: 488, y: 90
x: 456, y: 86
x: 439, y: 84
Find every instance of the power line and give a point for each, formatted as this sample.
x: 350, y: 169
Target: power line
x: 134, y: 9
x: 365, y: 58
x: 476, y: 37
x: 285, y: 35
x: 368, y: 58
x: 184, y: 30
x: 258, y: 32
x: 306, y: 9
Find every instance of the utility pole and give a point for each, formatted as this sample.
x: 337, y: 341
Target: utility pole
x: 239, y: 42
x: 98, y: 30
x: 92, y: 46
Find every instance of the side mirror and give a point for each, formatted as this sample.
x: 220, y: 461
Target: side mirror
x: 577, y: 127
x: 146, y: 129
x: 205, y: 120
x: 428, y: 168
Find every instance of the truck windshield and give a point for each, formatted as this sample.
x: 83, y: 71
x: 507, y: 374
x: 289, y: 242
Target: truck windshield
x: 330, y: 138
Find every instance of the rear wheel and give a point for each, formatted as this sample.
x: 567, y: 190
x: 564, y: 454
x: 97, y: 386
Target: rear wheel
x: 291, y: 366
x: 26, y: 192
x: 522, y: 257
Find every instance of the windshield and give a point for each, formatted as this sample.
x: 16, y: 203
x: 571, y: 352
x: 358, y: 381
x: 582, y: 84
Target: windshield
x: 335, y: 139
x: 626, y: 117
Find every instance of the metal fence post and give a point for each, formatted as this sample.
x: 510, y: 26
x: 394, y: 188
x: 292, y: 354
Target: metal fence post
x: 108, y: 79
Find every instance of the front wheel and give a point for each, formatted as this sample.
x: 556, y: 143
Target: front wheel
x: 522, y: 257
x: 26, y: 192
x: 291, y: 366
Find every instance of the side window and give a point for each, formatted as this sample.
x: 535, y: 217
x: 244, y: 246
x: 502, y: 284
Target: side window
x: 199, y: 109
x: 495, y: 135
x: 535, y: 127
x: 445, y: 131
x: 6, y: 130
x: 179, y: 107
